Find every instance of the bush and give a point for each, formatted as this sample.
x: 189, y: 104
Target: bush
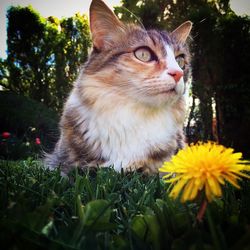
x: 28, y: 122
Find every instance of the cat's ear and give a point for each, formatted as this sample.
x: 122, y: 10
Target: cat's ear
x: 182, y: 32
x: 104, y: 24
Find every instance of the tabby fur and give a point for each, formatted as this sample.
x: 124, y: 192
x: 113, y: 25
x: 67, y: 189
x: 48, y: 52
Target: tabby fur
x: 124, y: 112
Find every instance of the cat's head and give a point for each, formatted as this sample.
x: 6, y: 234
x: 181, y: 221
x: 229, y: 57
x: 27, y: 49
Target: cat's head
x: 147, y: 66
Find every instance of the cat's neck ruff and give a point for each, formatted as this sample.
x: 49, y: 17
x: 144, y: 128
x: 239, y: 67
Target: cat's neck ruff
x: 126, y: 130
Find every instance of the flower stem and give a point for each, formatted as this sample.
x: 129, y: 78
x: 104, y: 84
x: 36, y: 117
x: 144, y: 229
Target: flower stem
x: 213, y: 230
x: 202, y: 210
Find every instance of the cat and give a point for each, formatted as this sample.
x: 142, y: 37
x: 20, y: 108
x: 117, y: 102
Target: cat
x: 127, y: 107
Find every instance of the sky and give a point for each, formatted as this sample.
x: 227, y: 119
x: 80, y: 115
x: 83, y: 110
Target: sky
x: 67, y: 8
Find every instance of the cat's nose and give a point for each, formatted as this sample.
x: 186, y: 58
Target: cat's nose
x: 177, y: 74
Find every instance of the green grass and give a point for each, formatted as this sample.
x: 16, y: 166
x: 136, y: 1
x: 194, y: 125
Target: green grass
x: 102, y: 209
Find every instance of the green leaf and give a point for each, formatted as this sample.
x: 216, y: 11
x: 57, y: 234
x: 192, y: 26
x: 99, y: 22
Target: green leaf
x: 147, y: 228
x: 97, y: 212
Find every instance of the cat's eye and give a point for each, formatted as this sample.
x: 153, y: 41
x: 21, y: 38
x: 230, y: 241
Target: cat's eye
x: 144, y: 54
x: 181, y: 61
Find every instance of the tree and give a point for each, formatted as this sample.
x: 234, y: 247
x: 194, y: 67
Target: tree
x: 70, y: 53
x: 232, y: 89
x: 44, y: 55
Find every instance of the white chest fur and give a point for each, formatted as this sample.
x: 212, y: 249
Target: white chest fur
x: 126, y: 133
x: 131, y: 137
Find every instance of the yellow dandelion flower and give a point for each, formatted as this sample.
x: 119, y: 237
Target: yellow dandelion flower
x: 204, y: 166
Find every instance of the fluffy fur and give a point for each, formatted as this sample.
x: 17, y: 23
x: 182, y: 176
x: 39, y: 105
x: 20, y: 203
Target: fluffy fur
x: 123, y: 111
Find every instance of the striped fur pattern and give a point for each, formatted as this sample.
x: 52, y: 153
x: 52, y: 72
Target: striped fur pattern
x: 122, y: 111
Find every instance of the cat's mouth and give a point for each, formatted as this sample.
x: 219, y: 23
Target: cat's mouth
x: 168, y: 91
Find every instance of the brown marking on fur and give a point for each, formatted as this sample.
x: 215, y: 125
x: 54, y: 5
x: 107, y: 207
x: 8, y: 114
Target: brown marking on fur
x: 158, y: 154
x: 145, y: 166
x: 78, y: 144
x: 181, y: 140
x: 179, y: 111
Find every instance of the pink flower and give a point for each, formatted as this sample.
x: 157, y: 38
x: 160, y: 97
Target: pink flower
x: 38, y: 141
x: 6, y: 135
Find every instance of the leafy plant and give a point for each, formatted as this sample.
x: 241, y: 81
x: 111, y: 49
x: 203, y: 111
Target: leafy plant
x: 32, y: 126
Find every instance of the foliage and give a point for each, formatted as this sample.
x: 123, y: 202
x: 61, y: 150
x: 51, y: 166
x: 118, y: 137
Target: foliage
x: 232, y: 89
x: 102, y: 209
x: 44, y: 55
x: 26, y: 120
